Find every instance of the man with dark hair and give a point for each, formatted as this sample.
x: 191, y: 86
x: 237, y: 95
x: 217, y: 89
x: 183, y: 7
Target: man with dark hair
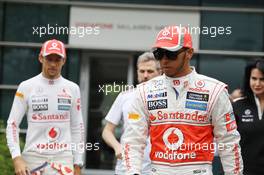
x: 183, y: 112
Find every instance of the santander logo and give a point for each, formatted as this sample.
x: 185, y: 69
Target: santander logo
x: 50, y: 117
x: 152, y: 117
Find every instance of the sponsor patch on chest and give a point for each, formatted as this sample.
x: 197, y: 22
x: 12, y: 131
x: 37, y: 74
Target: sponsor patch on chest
x: 40, y: 107
x: 64, y: 107
x: 247, y: 116
x: 196, y: 105
x: 197, y: 96
x: 64, y: 100
x: 157, y: 104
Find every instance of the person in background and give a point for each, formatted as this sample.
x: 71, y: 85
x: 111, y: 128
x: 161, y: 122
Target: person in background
x: 236, y: 93
x: 55, y: 134
x: 147, y: 68
x: 249, y: 115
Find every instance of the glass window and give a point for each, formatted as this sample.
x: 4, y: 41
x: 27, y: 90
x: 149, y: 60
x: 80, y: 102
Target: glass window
x: 19, y: 64
x: 1, y: 20
x: 6, y: 101
x: 150, y: 2
x: 233, y: 3
x: 71, y: 69
x: 194, y: 62
x: 111, y: 71
x: 227, y: 69
x: 232, y: 31
x: 27, y: 17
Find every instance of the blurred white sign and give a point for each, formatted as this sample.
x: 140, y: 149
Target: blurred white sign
x: 117, y: 29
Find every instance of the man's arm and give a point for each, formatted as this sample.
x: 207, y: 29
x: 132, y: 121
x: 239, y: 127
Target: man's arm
x: 227, y: 136
x: 135, y: 135
x: 113, y: 118
x: 16, y: 115
x: 77, y: 131
x: 110, y: 139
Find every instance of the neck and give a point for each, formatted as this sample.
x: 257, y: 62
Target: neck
x: 261, y: 97
x: 51, y: 77
x: 184, y: 72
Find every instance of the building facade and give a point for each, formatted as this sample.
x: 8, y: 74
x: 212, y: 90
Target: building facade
x: 102, y: 59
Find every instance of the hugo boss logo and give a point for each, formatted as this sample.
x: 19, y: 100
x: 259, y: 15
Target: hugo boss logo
x: 40, y: 107
x: 157, y: 104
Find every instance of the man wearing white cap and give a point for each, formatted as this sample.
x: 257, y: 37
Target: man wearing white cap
x: 55, y: 134
x: 188, y: 112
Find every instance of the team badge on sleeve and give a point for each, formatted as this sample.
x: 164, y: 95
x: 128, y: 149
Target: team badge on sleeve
x: 20, y: 95
x: 230, y: 121
x: 133, y: 116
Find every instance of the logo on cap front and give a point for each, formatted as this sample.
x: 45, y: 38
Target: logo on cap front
x: 54, y: 46
x: 165, y: 34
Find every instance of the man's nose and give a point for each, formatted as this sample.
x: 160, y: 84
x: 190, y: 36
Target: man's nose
x: 53, y: 63
x: 146, y: 74
x: 164, y: 59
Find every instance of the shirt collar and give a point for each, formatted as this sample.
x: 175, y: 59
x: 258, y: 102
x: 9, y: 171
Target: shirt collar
x: 50, y: 81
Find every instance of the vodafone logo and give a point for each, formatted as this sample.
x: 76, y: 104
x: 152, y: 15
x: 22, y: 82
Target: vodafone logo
x: 176, y: 82
x: 53, y: 133
x: 199, y: 83
x: 173, y: 138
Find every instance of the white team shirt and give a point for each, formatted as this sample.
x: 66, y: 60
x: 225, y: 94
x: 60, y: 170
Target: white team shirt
x: 55, y: 124
x: 118, y: 113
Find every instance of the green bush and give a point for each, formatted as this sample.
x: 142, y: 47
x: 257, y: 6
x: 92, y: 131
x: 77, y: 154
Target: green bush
x: 6, y: 163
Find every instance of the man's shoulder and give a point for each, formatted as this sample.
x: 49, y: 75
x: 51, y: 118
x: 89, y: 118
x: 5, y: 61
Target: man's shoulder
x: 126, y: 95
x: 239, y: 104
x: 70, y: 83
x: 153, y: 81
x: 29, y: 82
x: 208, y: 79
x: 240, y: 100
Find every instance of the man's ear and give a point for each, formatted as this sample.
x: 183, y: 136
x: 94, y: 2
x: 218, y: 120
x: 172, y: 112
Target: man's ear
x: 64, y: 60
x: 40, y: 59
x: 189, y: 53
x: 160, y: 72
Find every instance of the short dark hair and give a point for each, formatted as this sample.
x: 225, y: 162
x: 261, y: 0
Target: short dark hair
x: 257, y: 63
